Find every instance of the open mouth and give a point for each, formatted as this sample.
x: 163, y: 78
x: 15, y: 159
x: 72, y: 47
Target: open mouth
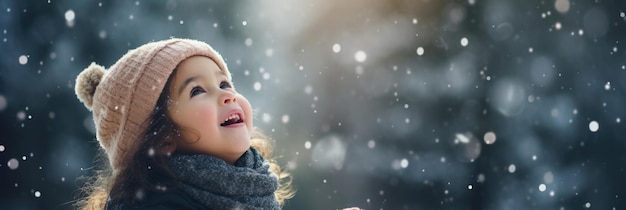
x: 232, y: 119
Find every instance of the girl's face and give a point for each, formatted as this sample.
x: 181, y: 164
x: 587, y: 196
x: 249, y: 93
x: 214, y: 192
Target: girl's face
x: 211, y: 116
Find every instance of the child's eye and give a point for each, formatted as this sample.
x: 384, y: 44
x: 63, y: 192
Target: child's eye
x: 225, y: 84
x: 196, y: 91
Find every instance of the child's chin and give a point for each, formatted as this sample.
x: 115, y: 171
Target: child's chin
x: 243, y: 145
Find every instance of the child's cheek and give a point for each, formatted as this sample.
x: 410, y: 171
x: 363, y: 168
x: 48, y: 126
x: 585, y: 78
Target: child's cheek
x: 247, y: 108
x: 204, y: 116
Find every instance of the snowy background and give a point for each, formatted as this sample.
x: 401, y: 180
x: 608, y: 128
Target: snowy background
x: 396, y: 104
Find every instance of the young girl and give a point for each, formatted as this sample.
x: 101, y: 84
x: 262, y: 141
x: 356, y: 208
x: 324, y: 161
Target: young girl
x: 176, y: 134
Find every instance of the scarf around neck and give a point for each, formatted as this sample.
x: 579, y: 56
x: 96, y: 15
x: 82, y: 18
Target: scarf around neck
x: 247, y: 184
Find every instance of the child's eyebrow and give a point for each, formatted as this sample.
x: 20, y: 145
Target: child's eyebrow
x: 185, y: 83
x: 221, y: 73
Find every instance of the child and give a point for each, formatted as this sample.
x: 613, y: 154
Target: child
x: 176, y: 134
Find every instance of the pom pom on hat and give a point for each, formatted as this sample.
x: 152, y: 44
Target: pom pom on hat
x: 87, y: 82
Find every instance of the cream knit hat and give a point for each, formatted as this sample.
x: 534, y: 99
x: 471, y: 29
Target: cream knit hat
x: 123, y: 97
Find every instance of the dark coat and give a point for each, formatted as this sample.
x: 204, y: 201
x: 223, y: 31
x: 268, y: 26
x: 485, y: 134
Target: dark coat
x: 173, y: 199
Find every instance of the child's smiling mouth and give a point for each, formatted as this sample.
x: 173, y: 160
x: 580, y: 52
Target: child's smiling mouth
x: 233, y: 118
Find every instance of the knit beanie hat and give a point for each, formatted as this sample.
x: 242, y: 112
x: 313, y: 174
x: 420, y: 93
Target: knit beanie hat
x: 123, y: 97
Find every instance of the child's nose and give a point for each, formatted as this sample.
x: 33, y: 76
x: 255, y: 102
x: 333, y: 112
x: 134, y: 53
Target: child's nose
x: 228, y: 97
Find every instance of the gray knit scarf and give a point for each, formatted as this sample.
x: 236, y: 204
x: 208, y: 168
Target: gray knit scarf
x: 247, y: 184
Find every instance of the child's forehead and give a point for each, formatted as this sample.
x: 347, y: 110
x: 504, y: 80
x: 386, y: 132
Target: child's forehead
x: 201, y: 64
x: 198, y: 68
